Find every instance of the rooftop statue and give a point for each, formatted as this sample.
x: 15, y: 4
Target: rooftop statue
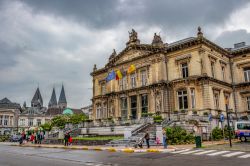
x: 157, y: 40
x: 133, y: 38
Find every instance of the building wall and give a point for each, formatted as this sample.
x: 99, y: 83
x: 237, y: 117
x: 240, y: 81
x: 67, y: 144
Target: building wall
x: 11, y: 120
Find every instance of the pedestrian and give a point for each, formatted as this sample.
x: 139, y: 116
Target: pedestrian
x: 147, y: 137
x: 70, y: 140
x: 157, y: 140
x: 66, y: 139
x: 32, y: 138
x: 164, y: 140
x: 39, y: 138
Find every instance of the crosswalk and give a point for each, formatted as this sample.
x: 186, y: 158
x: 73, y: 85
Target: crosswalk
x: 198, y: 152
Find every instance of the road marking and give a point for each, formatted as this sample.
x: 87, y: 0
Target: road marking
x: 193, y: 151
x: 232, y: 154
x: 244, y: 156
x: 217, y: 153
x: 180, y: 151
x: 205, y: 152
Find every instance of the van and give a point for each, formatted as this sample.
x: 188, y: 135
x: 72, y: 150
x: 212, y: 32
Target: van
x: 242, y: 130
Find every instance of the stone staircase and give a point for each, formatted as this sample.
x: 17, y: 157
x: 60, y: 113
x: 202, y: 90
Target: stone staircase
x: 137, y: 134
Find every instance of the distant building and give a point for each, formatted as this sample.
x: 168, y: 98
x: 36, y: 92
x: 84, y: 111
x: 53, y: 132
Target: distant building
x: 8, y: 116
x: 88, y: 111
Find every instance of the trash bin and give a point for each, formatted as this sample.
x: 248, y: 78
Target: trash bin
x: 198, y: 141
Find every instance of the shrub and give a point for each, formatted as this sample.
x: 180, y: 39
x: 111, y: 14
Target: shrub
x: 226, y: 132
x: 178, y: 135
x: 217, y: 133
x: 158, y: 119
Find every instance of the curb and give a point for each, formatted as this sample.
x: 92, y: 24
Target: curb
x: 109, y: 149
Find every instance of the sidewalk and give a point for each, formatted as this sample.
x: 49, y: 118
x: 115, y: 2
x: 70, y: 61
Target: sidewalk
x: 122, y: 149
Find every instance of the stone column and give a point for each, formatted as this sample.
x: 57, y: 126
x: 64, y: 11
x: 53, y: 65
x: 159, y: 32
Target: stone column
x: 129, y: 106
x: 138, y: 106
x: 204, y: 62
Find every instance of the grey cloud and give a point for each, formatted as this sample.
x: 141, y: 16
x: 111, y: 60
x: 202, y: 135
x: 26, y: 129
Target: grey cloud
x: 228, y: 38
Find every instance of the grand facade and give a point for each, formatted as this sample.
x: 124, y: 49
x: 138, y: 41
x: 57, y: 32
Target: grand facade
x: 190, y: 76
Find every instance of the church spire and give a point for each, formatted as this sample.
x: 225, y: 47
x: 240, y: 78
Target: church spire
x: 53, y: 101
x: 62, y: 103
x: 37, y: 100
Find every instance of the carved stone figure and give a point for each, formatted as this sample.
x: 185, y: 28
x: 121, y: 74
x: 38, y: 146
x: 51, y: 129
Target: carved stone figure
x: 158, y: 102
x: 133, y: 38
x: 112, y: 55
x: 157, y: 40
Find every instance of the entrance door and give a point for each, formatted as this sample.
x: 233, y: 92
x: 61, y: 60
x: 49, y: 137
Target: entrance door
x: 134, y: 107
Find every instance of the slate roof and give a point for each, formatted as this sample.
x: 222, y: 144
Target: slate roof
x: 62, y: 98
x: 37, y: 98
x: 53, y: 100
x: 6, y: 103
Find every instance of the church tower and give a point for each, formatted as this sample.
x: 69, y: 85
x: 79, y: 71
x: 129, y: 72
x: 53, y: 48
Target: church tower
x: 53, y: 100
x: 62, y: 103
x: 37, y: 100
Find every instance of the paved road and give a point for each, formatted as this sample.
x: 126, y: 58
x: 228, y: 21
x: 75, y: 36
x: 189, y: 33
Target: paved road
x: 18, y: 156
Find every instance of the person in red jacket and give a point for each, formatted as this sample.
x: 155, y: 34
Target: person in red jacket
x: 70, y: 140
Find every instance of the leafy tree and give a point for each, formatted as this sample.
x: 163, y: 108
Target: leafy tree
x: 46, y: 126
x: 60, y: 121
x: 77, y: 118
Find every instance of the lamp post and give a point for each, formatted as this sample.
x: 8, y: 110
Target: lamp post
x: 228, y: 123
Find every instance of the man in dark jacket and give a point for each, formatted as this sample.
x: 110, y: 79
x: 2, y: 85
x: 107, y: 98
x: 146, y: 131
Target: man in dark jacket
x: 66, y: 139
x: 147, y: 137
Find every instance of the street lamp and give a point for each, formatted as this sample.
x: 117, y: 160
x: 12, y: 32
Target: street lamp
x: 228, y: 123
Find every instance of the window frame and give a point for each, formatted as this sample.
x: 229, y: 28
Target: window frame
x: 248, y: 103
x: 183, y: 103
x: 246, y: 72
x: 133, y: 80
x: 184, y: 69
x: 212, y: 68
x: 143, y: 77
x: 216, y: 96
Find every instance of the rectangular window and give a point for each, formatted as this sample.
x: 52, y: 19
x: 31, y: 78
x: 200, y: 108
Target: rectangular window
x: 223, y: 73
x: 192, y: 91
x: 213, y: 69
x: 216, y: 100
x: 98, y: 111
x: 123, y: 83
x: 184, y: 69
x: 6, y: 120
x: 11, y: 120
x: 39, y: 122
x: 247, y: 74
x: 143, y: 78
x: 144, y: 103
x: 133, y: 107
x: 248, y: 103
x: 22, y: 122
x: 30, y: 122
x: 182, y: 99
x: 1, y: 119
x: 133, y: 80
x: 103, y: 89
x: 124, y: 107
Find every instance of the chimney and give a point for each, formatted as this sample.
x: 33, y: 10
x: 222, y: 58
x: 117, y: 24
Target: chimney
x: 239, y: 45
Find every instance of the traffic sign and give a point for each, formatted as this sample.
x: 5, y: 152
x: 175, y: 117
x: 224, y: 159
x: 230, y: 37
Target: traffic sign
x: 222, y: 118
x: 210, y: 117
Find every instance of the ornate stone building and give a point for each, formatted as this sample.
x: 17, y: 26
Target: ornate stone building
x: 8, y: 116
x: 190, y: 76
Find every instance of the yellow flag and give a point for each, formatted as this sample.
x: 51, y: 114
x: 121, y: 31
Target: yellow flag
x: 131, y: 69
x: 118, y: 75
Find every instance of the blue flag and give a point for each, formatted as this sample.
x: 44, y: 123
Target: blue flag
x: 111, y: 76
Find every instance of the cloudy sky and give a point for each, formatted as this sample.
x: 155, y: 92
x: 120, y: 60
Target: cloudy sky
x: 50, y: 42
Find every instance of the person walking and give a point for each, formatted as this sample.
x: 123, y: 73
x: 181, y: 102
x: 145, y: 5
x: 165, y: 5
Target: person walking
x: 66, y: 139
x: 147, y: 137
x: 164, y: 140
x: 70, y: 140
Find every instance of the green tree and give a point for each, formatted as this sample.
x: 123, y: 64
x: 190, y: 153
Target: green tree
x: 77, y: 118
x: 60, y: 121
x: 46, y: 126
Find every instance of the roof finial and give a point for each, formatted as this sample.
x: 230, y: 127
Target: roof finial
x: 94, y: 68
x: 199, y: 33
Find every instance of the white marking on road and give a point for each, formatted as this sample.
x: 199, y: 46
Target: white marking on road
x: 244, y: 156
x: 193, y: 151
x: 217, y: 153
x: 180, y: 151
x: 232, y: 154
x: 205, y: 152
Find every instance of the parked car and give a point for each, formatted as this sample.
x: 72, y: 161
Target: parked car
x: 242, y: 130
x: 15, y: 138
